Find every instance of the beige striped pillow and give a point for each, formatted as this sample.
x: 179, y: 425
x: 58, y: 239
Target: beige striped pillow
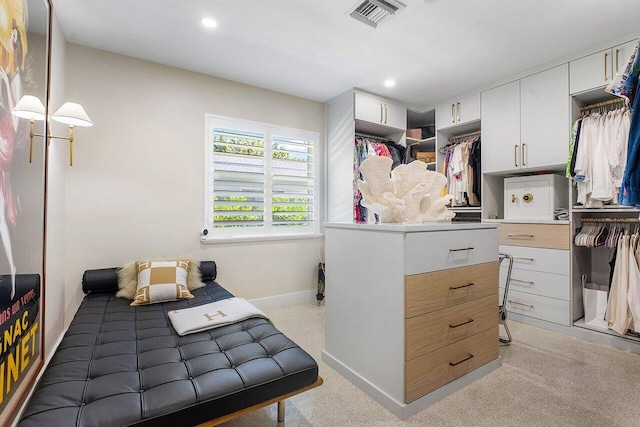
x: 161, y: 281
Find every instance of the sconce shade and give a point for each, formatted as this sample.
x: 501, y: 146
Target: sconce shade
x: 29, y: 107
x: 72, y: 114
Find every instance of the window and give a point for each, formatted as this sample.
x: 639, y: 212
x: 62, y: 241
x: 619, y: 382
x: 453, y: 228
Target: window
x: 261, y: 180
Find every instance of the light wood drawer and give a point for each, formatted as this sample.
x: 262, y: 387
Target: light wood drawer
x: 429, y: 332
x: 432, y: 291
x: 440, y: 367
x: 537, y: 283
x: 440, y: 250
x: 538, y: 259
x: 539, y: 307
x: 535, y: 235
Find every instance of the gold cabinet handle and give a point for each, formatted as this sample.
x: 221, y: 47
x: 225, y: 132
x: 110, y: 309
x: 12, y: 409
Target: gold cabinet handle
x: 606, y: 56
x: 617, y: 64
x: 523, y: 258
x: 381, y: 113
x: 458, y: 115
x: 521, y: 281
x: 515, y: 155
x: 453, y: 113
x: 521, y: 303
x: 470, y: 356
x: 530, y: 236
x: 524, y: 146
x: 386, y: 113
x: 460, y: 249
x: 453, y: 288
x: 460, y: 324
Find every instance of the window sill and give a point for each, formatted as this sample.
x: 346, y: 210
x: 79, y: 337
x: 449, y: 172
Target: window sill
x: 207, y: 240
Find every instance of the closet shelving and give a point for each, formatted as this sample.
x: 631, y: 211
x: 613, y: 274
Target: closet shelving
x: 594, y: 263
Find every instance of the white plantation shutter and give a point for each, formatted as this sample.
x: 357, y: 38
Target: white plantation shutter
x: 261, y: 179
x: 238, y: 178
x: 292, y: 182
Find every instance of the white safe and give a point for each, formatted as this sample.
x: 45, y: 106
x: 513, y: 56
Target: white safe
x: 534, y: 197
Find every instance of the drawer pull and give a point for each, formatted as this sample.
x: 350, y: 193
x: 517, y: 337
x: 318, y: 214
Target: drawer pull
x: 521, y: 235
x: 521, y: 303
x: 522, y: 281
x: 523, y: 258
x: 461, y: 249
x: 461, y: 324
x: 470, y: 356
x: 453, y: 288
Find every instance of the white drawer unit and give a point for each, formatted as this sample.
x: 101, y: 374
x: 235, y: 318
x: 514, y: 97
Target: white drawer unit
x: 537, y: 283
x: 539, y: 307
x: 538, y: 259
x: 534, y: 197
x: 454, y: 249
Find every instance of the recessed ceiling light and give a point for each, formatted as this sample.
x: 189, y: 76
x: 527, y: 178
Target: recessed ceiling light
x: 209, y: 22
x: 389, y: 83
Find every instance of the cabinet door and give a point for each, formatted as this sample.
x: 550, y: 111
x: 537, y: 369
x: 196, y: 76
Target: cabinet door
x: 369, y: 109
x: 395, y: 116
x: 501, y: 128
x: 621, y: 55
x: 468, y: 109
x: 592, y: 71
x: 544, y: 118
x: 445, y: 115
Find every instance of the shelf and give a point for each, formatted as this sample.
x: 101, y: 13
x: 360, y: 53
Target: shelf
x: 465, y: 209
x: 528, y: 221
x: 580, y: 324
x: 621, y: 209
x: 420, y: 141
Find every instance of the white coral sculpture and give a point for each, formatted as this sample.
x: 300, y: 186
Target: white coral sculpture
x: 410, y: 194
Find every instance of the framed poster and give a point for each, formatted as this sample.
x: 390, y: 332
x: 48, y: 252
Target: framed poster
x: 24, y: 70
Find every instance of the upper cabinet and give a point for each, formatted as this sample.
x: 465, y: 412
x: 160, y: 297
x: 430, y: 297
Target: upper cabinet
x: 599, y: 69
x: 545, y: 118
x: 525, y: 124
x: 501, y: 128
x: 380, y: 112
x: 458, y: 111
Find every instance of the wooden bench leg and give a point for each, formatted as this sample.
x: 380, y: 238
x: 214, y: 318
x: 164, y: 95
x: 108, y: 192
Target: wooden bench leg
x: 281, y: 411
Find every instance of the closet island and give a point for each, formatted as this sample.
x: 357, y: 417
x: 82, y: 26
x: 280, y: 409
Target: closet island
x: 411, y: 309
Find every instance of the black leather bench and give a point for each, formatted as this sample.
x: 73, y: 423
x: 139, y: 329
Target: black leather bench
x: 119, y: 365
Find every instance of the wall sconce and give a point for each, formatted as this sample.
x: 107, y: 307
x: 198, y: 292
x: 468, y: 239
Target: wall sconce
x: 72, y: 114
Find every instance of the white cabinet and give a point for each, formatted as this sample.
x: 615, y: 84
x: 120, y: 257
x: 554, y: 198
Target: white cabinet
x: 598, y: 69
x: 544, y: 118
x: 525, y: 124
x: 458, y: 111
x: 374, y: 110
x: 388, y: 314
x: 501, y: 128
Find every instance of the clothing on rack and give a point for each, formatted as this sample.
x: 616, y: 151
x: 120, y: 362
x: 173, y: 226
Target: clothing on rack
x: 625, y: 85
x: 599, y: 152
x: 461, y: 166
x: 366, y: 146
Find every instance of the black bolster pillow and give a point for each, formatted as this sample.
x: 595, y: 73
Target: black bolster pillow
x: 208, y: 270
x: 106, y: 279
x: 100, y: 280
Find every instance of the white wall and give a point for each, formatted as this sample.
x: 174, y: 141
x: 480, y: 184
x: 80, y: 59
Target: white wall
x: 136, y: 187
x: 55, y: 240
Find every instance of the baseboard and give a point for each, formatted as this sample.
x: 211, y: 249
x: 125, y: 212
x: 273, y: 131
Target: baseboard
x: 284, y: 300
x: 406, y: 410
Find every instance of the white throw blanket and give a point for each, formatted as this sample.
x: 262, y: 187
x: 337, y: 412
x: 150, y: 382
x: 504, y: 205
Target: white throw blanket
x: 209, y: 316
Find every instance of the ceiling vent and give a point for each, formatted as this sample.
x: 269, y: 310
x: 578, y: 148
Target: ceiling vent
x: 374, y: 12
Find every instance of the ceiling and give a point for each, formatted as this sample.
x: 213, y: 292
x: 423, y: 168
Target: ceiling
x: 434, y: 49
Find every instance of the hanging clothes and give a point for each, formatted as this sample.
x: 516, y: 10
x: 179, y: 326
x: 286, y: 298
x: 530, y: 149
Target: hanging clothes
x: 618, y: 314
x: 599, y: 142
x: 462, y: 169
x: 625, y: 85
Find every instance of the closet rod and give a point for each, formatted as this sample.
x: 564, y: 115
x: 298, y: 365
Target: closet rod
x: 451, y: 138
x: 602, y: 104
x: 379, y: 138
x: 609, y: 219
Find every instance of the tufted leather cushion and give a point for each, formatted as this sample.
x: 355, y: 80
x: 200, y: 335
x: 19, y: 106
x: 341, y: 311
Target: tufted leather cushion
x: 119, y: 365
